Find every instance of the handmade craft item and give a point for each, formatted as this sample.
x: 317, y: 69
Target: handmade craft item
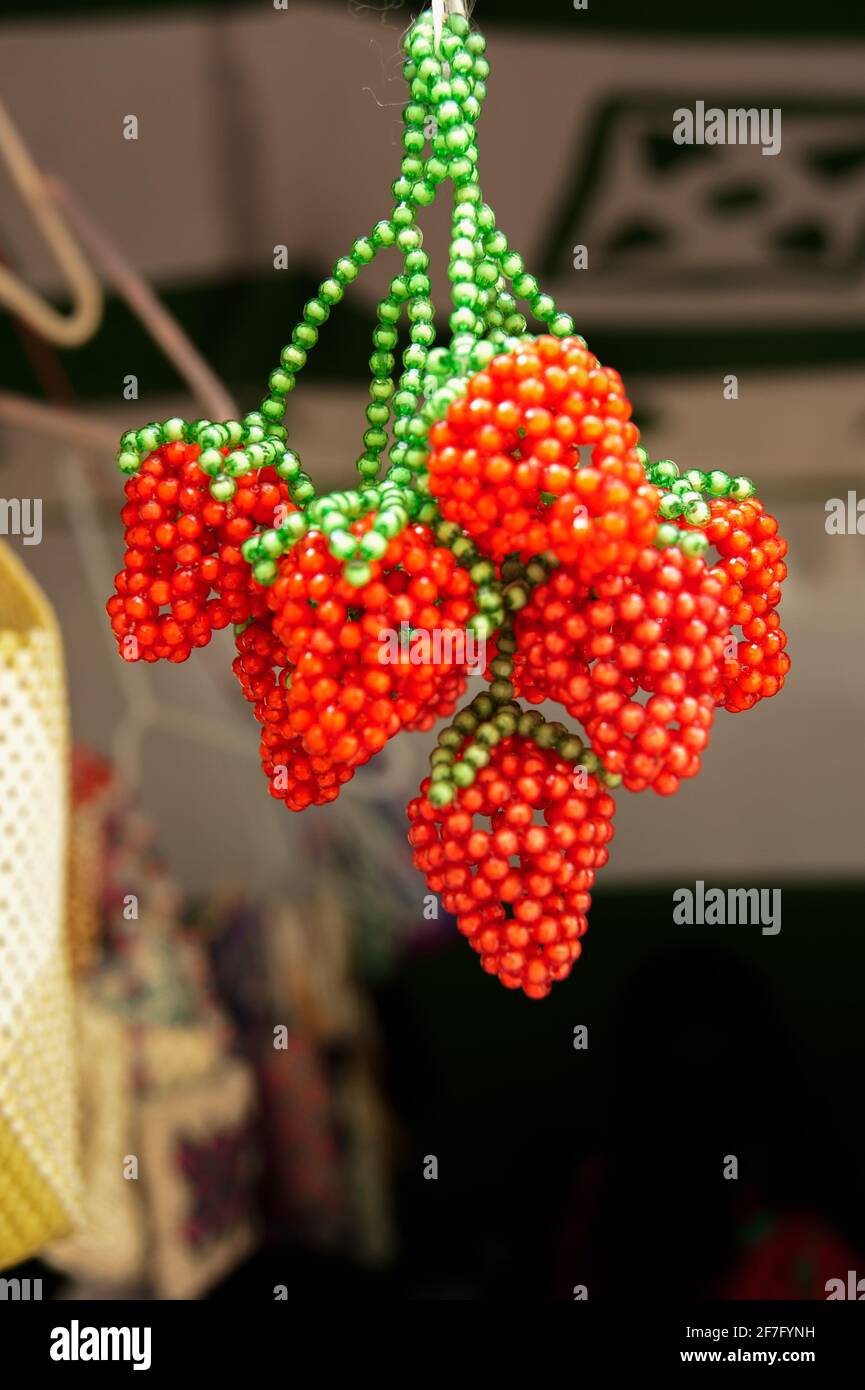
x: 516, y: 509
x: 40, y: 1182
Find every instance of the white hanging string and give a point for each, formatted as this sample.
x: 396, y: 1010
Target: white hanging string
x: 440, y: 11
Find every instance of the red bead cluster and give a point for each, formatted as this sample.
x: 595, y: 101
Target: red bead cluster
x: 505, y: 463
x: 355, y: 680
x: 557, y: 528
x: 514, y: 859
x: 751, y: 569
x: 328, y: 672
x: 184, y: 576
x: 659, y: 632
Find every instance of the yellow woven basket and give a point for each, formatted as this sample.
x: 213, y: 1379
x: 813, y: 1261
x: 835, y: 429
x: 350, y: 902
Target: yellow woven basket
x: 38, y: 1163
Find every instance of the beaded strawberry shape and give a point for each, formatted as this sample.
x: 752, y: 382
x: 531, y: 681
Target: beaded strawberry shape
x: 503, y: 496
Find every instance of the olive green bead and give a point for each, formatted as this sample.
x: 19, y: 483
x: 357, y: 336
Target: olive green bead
x: 463, y: 774
x: 450, y: 738
x: 440, y: 757
x: 502, y: 691
x: 476, y: 756
x: 466, y: 721
x: 570, y: 748
x: 441, y: 794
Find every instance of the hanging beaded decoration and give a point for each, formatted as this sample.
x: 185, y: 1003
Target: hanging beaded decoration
x: 516, y: 508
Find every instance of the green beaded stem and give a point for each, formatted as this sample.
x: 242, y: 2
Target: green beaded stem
x: 463, y: 748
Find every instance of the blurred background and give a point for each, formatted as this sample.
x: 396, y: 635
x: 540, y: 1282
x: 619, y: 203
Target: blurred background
x: 268, y: 137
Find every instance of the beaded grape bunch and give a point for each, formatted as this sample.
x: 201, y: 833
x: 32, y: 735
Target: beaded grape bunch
x: 517, y: 506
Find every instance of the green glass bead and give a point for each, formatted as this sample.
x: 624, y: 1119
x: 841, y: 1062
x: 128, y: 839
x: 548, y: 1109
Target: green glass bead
x: 273, y: 409
x: 294, y: 527
x: 463, y: 321
x: 664, y: 473
x: 466, y: 721
x: 330, y: 291
x: 718, y: 483
x: 384, y: 337
x: 525, y: 286
x: 381, y: 364
x: 373, y: 545
x: 128, y: 462
x: 211, y: 461
x: 222, y: 489
x: 271, y: 545
x: 362, y: 251
x: 694, y: 543
x: 680, y: 487
x: 316, y: 312
x: 289, y: 465
x: 670, y: 506
x: 741, y: 489
x: 698, y: 513
x: 476, y: 756
x: 562, y: 326
x: 441, y: 794
x: 667, y: 535
x: 173, y: 429
x: 345, y: 270
x: 305, y: 335
x: 423, y: 334
x: 383, y: 233
x: 481, y: 625
x: 543, y: 307
x: 409, y: 239
x: 463, y: 774
x: 342, y: 544
x: 512, y: 264
x: 696, y: 478
x: 149, y: 438
x: 264, y: 572
x: 375, y: 440
x: 465, y: 295
x: 280, y: 383
x: 421, y: 311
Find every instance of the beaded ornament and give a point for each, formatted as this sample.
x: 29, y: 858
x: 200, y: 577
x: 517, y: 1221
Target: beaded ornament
x: 502, y: 495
